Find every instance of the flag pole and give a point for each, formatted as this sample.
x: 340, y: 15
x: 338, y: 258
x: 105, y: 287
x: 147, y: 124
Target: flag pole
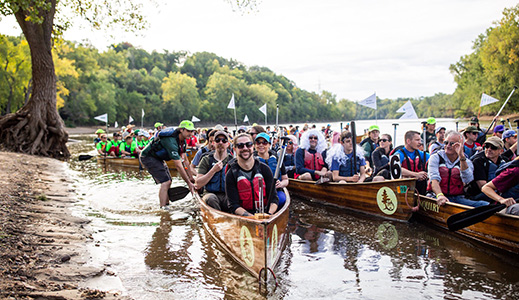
x: 106, y: 123
x: 277, y: 117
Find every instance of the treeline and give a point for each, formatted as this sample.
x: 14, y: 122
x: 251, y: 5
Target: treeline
x: 170, y: 86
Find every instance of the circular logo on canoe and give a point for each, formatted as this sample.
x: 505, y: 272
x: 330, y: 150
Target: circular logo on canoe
x: 387, y: 235
x: 274, y: 246
x: 247, y: 246
x: 387, y: 200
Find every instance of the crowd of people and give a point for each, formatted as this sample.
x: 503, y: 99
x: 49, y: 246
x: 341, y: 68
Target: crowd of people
x: 239, y: 172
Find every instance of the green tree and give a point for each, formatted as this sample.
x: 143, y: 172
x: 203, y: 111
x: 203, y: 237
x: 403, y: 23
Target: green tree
x: 37, y: 128
x: 180, y: 97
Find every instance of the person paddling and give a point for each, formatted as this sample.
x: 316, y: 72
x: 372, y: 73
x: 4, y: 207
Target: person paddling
x: 167, y: 145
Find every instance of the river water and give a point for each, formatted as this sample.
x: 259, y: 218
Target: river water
x: 331, y: 254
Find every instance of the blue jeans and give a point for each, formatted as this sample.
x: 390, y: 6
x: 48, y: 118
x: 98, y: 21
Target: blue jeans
x: 462, y: 200
x: 282, y: 198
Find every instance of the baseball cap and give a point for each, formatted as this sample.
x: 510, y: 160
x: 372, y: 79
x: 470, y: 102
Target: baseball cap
x: 187, y: 125
x: 100, y: 131
x: 221, y: 132
x: 218, y: 127
x: 509, y: 133
x: 158, y: 124
x: 242, y: 128
x: 438, y: 129
x: 494, y: 140
x: 471, y: 129
x: 373, y: 127
x: 474, y: 120
x: 499, y: 128
x: 263, y: 135
x: 431, y: 121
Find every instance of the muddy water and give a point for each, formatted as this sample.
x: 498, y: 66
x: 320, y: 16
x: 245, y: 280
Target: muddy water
x: 332, y: 253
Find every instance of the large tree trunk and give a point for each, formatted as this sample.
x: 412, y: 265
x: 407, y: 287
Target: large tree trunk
x: 37, y: 128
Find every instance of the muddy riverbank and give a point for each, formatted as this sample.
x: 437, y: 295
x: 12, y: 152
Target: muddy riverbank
x: 43, y: 250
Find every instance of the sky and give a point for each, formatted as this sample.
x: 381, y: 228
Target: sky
x: 399, y: 48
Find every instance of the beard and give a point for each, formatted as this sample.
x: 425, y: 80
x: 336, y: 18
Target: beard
x: 245, y: 154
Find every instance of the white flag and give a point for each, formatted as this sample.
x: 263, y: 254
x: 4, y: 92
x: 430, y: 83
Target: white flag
x: 486, y: 99
x: 370, y: 102
x: 408, y: 110
x: 195, y: 119
x: 246, y: 119
x: 263, y: 109
x: 231, y: 103
x: 102, y: 118
x: 116, y: 125
x: 143, y: 112
x: 130, y: 120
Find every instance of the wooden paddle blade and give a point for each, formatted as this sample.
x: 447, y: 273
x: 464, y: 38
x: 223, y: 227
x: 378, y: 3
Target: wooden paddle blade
x: 177, y: 193
x: 472, y: 216
x: 84, y: 157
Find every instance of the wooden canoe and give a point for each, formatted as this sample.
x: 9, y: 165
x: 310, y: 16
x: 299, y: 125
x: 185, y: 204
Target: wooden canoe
x: 255, y: 244
x: 134, y: 162
x: 390, y: 199
x: 500, y: 230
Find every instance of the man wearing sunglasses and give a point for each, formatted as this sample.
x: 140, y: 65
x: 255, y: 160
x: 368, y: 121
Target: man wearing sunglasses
x: 244, y: 177
x: 169, y: 144
x: 211, y: 172
x: 449, y: 171
x: 485, y: 165
x: 510, y: 141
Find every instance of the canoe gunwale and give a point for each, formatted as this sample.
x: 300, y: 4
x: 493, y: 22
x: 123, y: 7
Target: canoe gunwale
x: 496, y: 231
x: 341, y: 196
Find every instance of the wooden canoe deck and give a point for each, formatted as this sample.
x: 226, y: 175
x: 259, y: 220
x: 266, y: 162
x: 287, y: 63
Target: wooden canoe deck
x: 255, y: 244
x: 500, y: 230
x: 390, y: 199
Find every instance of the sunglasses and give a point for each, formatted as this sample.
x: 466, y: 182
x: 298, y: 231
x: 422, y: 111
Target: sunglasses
x: 290, y: 143
x: 243, y: 145
x: 313, y: 138
x: 487, y: 146
x: 222, y: 140
x: 500, y: 132
x: 475, y: 133
x: 262, y: 143
x: 447, y: 143
x: 384, y: 140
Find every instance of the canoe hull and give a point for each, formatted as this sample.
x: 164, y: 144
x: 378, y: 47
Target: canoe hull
x: 255, y: 244
x: 132, y: 162
x: 391, y: 199
x: 499, y: 231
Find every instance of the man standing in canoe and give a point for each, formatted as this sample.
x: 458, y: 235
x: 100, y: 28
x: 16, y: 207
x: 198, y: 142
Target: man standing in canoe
x: 169, y: 144
x: 244, y: 177
x: 211, y: 172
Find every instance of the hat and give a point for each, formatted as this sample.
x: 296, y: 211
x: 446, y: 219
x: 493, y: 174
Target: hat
x: 263, y: 135
x: 158, y: 124
x: 140, y: 132
x: 509, y: 133
x: 221, y: 132
x: 474, y: 120
x: 125, y: 134
x: 494, y: 140
x: 438, y: 129
x: 100, y: 131
x: 373, y: 127
x: 244, y: 128
x: 431, y: 121
x: 186, y: 124
x: 471, y: 129
x: 137, y: 131
x: 499, y: 128
x: 218, y: 127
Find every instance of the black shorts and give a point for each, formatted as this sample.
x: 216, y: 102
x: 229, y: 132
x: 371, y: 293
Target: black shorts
x: 157, y: 168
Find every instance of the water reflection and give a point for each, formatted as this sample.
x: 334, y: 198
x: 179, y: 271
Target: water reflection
x: 331, y: 253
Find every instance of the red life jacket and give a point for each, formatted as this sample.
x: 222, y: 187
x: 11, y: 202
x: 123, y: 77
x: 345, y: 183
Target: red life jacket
x: 415, y: 165
x: 451, y: 183
x: 314, y: 161
x: 248, y: 190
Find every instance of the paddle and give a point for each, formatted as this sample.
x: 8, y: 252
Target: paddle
x: 85, y: 157
x: 280, y: 162
x: 472, y: 216
x: 177, y: 193
x: 354, y: 142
